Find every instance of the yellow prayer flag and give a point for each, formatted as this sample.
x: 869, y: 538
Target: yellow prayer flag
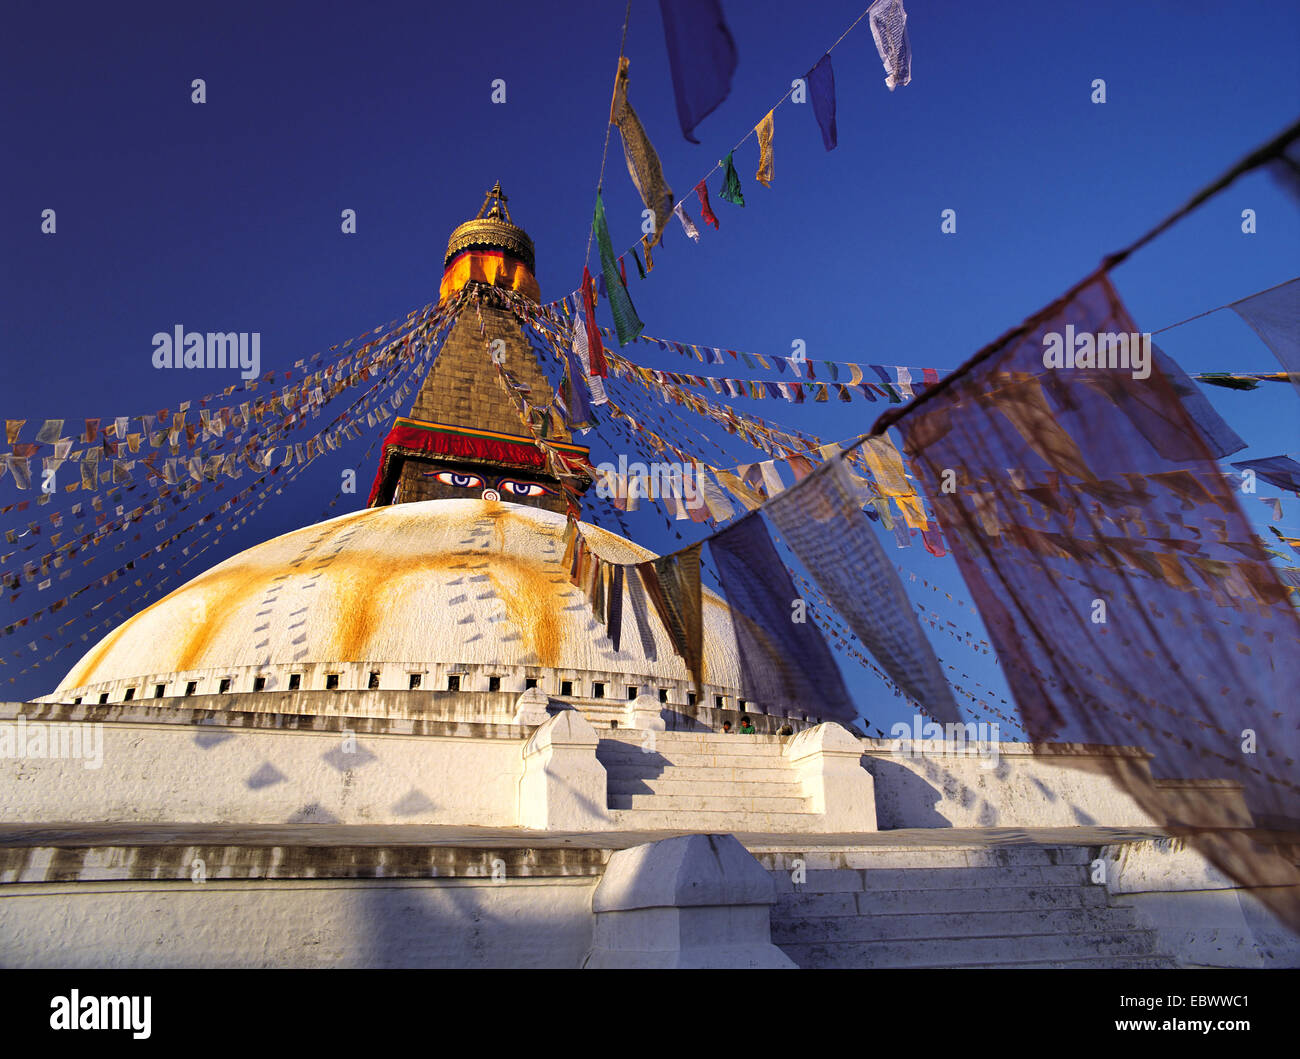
x: 886, y: 465
x: 764, y: 130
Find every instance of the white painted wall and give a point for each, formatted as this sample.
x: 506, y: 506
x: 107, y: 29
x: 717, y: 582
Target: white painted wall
x: 1017, y: 789
x: 367, y: 923
x: 173, y: 772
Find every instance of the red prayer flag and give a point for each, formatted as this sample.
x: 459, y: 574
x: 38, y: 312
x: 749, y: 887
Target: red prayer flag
x: 595, y: 349
x: 706, y: 211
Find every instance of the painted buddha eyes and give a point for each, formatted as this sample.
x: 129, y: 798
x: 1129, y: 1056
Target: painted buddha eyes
x: 513, y: 488
x: 460, y: 481
x: 508, y: 486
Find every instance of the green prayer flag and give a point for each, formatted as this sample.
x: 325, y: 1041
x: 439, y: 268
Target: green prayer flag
x: 626, y: 321
x: 730, y: 189
x: 1230, y: 382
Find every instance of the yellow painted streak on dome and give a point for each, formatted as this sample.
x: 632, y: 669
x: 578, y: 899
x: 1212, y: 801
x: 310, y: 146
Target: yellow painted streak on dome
x: 77, y: 677
x: 221, y: 594
x: 361, y: 574
x: 359, y: 583
x: 238, y: 585
x: 532, y: 605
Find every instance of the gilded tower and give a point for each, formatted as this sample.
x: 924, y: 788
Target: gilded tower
x: 465, y: 436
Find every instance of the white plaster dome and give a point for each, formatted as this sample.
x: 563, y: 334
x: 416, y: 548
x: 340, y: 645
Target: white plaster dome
x: 466, y: 586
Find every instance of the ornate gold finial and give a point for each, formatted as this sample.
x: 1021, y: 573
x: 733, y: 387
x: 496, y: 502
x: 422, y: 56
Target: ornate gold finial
x: 492, y: 228
x: 498, y: 199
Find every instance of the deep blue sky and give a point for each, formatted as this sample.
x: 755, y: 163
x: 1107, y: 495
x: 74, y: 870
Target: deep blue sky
x: 225, y: 216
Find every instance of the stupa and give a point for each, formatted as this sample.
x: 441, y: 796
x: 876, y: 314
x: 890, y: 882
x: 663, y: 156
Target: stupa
x: 449, y: 583
x: 401, y: 737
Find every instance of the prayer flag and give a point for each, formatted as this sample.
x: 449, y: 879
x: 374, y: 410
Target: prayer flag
x: 626, y: 321
x: 889, y: 28
x: 764, y: 130
x: 688, y: 226
x: 595, y: 350
x: 1104, y: 623
x: 701, y: 57
x: 642, y: 160
x: 1274, y: 315
x: 785, y: 665
x: 1281, y: 471
x: 730, y: 189
x: 821, y: 89
x: 706, y: 211
x: 821, y: 521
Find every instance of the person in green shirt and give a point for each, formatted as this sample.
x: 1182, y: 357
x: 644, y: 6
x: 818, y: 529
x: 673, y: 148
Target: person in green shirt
x: 746, y: 725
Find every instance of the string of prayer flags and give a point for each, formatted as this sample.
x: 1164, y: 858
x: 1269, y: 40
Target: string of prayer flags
x: 784, y: 662
x: 821, y: 90
x: 889, y: 28
x: 706, y: 211
x: 642, y: 159
x: 701, y: 57
x: 1154, y: 618
x: 730, y: 190
x: 821, y: 521
x: 764, y: 129
x: 626, y: 321
x: 1233, y: 380
x: 1274, y: 315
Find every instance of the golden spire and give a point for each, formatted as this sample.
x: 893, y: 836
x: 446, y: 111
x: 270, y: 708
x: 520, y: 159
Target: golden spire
x: 492, y: 229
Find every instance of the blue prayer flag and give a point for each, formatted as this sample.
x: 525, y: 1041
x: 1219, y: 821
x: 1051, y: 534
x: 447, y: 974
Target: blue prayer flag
x: 701, y: 56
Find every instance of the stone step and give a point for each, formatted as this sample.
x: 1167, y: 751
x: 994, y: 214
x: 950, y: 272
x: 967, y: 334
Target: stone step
x: 701, y: 803
x: 713, y: 822
x: 808, y: 930
x: 1109, y: 963
x: 931, y: 857
x: 1000, y: 951
x: 670, y: 785
x: 987, y: 899
x: 704, y: 774
x: 683, y: 759
x: 703, y: 740
x: 873, y: 880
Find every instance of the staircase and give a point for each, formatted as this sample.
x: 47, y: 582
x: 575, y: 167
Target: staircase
x: 702, y: 781
x: 992, y: 906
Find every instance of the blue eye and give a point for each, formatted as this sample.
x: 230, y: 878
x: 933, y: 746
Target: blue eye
x: 460, y: 481
x: 509, y: 485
